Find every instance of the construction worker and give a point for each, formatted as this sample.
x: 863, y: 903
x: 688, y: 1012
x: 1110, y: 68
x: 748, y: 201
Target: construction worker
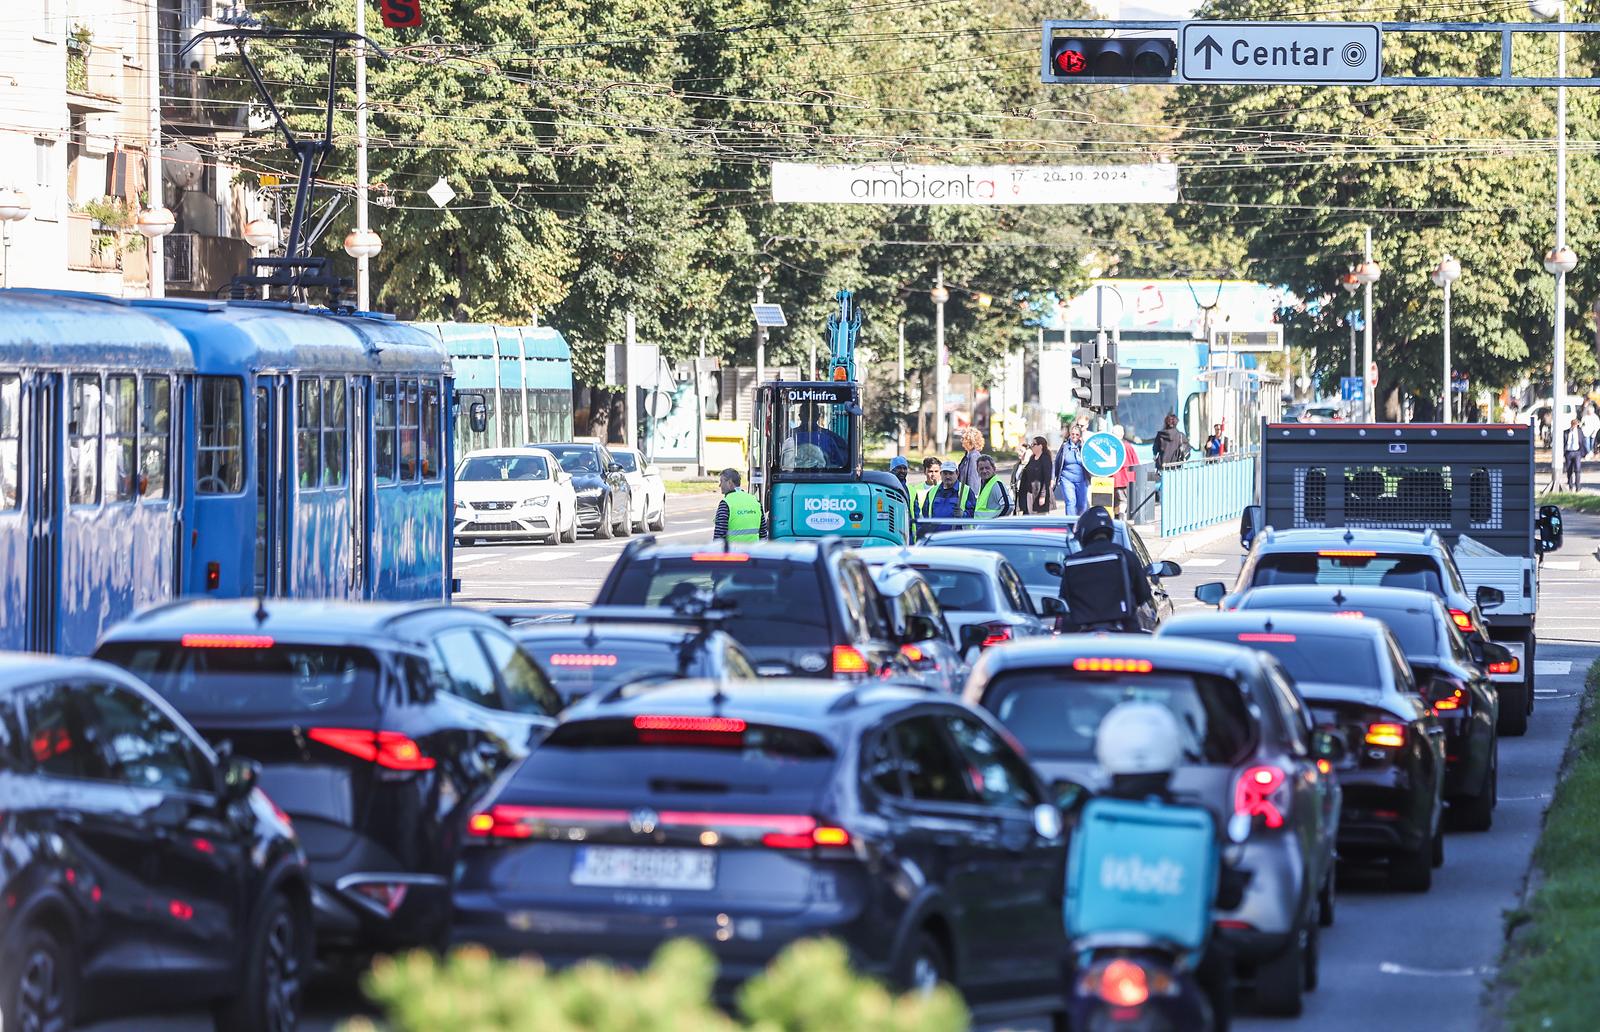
x: 993, y: 498
x: 953, y: 500
x: 739, y: 516
x: 930, y: 483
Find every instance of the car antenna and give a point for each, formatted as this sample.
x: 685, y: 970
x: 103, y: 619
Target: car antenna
x: 1268, y: 627
x: 1338, y: 597
x: 1349, y: 535
x: 261, y: 610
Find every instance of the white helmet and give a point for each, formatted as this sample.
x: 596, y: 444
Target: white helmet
x: 1139, y: 738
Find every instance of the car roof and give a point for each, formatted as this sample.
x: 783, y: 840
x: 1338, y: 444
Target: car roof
x: 24, y: 668
x: 1282, y: 621
x: 809, y: 704
x: 1173, y: 653
x: 936, y: 557
x: 322, y: 621
x: 523, y: 449
x: 795, y: 550
x: 1342, y: 595
x: 1018, y: 535
x: 565, y: 444
x: 1306, y: 538
x: 604, y: 634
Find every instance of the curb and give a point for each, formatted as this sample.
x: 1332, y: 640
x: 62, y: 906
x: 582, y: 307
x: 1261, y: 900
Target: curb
x: 1182, y: 545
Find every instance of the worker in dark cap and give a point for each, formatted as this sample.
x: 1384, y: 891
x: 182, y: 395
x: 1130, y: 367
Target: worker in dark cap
x: 1103, y: 584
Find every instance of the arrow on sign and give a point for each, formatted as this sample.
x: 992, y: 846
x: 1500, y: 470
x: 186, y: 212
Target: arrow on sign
x: 1102, y: 451
x: 1210, y: 47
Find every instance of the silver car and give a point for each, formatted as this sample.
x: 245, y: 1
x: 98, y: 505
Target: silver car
x: 933, y: 657
x: 977, y: 589
x: 1252, y: 750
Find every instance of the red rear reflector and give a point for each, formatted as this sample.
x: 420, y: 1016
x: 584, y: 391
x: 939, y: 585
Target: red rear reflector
x: 1346, y: 553
x: 720, y: 557
x: 520, y: 822
x: 1113, y: 666
x: 998, y: 633
x: 1349, y: 612
x: 1510, y: 666
x: 582, y: 659
x: 1123, y: 984
x: 388, y: 749
x: 225, y: 641
x: 1462, y: 619
x: 847, y: 659
x: 388, y: 895
x: 213, y: 576
x: 1265, y: 636
x: 1391, y: 736
x: 1235, y: 924
x: 1257, y: 794
x: 713, y: 725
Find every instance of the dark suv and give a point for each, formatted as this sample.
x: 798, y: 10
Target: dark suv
x: 140, y: 869
x: 605, y: 502
x: 749, y: 815
x: 378, y: 726
x: 797, y: 607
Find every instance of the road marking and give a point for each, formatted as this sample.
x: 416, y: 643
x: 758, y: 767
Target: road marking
x: 603, y: 559
x: 544, y: 557
x: 1202, y: 564
x: 1561, y: 564
x: 1553, y: 667
x: 683, y: 533
x: 1389, y: 967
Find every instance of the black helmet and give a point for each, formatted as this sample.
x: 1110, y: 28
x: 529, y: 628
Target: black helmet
x: 1095, y: 523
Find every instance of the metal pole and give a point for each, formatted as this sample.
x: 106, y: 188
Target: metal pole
x: 900, y: 377
x: 363, y: 279
x: 1368, y: 391
x: 152, y: 64
x: 1446, y: 408
x: 941, y: 368
x: 630, y: 397
x: 813, y: 374
x: 761, y: 337
x: 1558, y: 364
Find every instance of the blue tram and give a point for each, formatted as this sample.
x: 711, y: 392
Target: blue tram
x: 524, y: 375
x: 224, y: 449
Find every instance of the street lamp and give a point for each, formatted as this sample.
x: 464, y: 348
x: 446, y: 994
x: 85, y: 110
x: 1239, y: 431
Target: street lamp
x: 1445, y: 273
x: 1367, y: 273
x: 14, y: 207
x: 261, y: 234
x: 154, y: 223
x: 1560, y: 260
x: 362, y: 243
x: 941, y: 365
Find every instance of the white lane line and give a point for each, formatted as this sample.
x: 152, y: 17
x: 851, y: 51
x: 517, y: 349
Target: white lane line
x: 1389, y: 967
x: 684, y: 533
x: 1560, y: 564
x: 544, y: 557
x: 1555, y: 667
x: 1200, y: 564
x: 603, y: 559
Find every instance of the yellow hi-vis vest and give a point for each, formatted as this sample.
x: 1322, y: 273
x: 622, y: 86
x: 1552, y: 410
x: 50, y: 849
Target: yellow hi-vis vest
x: 744, y: 516
x: 987, y: 509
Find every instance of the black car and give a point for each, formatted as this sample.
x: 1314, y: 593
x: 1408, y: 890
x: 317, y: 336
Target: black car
x: 749, y: 815
x: 797, y: 607
x: 1464, y: 700
x: 378, y: 726
x: 140, y: 870
x: 596, y: 650
x: 1359, y: 685
x: 605, y: 502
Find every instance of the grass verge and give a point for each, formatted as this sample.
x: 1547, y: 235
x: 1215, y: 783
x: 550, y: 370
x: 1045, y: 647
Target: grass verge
x: 701, y: 485
x: 1553, y: 964
x: 1573, y: 501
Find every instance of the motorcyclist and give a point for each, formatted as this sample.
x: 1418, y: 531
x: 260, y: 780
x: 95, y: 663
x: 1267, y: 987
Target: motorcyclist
x: 1102, y: 593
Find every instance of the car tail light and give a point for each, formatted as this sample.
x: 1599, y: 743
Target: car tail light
x: 1346, y: 553
x: 998, y: 633
x: 1510, y: 666
x: 226, y: 641
x: 714, y: 725
x: 1462, y: 620
x: 1112, y: 666
x: 1391, y: 736
x: 1262, y: 792
x: 505, y: 821
x: 913, y: 652
x: 1122, y: 983
x: 387, y: 896
x: 847, y: 659
x: 1445, y: 704
x: 720, y: 557
x: 1266, y: 636
x: 583, y: 659
x: 389, y: 749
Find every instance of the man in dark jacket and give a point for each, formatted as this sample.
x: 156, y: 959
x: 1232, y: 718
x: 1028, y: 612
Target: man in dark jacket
x: 1170, y: 446
x: 1103, y: 584
x: 952, y: 501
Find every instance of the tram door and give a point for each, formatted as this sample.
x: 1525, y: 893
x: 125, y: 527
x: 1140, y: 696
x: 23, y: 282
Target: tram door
x: 42, y: 464
x: 272, y: 486
x: 359, y: 435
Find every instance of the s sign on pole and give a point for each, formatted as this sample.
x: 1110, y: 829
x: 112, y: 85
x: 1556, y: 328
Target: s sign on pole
x: 400, y: 14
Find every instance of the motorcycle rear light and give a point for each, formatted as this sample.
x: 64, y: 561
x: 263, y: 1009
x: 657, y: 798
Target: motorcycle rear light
x: 226, y: 641
x: 1390, y: 736
x: 998, y: 633
x: 1261, y: 792
x: 1510, y: 666
x: 388, y: 749
x: 1266, y: 636
x: 1113, y: 666
x: 1462, y: 619
x: 582, y: 659
x: 847, y: 659
x: 1123, y: 984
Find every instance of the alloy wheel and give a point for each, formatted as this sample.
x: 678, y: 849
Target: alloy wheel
x: 40, y: 994
x: 281, y: 975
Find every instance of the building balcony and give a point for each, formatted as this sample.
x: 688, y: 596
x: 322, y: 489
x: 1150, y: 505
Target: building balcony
x: 94, y: 79
x: 91, y: 248
x: 201, y: 265
x: 191, y: 104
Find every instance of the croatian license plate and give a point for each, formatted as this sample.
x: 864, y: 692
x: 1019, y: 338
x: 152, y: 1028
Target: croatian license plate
x: 627, y: 867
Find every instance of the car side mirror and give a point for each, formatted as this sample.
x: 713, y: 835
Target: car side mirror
x: 921, y: 627
x: 1488, y: 597
x: 1326, y: 744
x: 1052, y: 606
x: 1250, y: 523
x: 1550, y: 531
x: 972, y: 636
x: 239, y: 778
x: 1067, y: 794
x: 1054, y: 568
x: 613, y: 467
x: 477, y: 415
x: 1165, y: 568
x: 1211, y: 592
x: 1494, y: 652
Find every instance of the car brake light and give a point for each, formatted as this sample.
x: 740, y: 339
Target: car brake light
x: 1123, y: 984
x: 1391, y: 736
x: 1510, y: 666
x: 1449, y: 702
x: 720, y: 557
x: 388, y: 749
x: 225, y: 641
x: 712, y: 725
x: 847, y: 659
x: 1266, y: 636
x: 913, y: 652
x: 1462, y: 620
x: 583, y: 659
x: 1113, y: 666
x: 520, y: 822
x: 1349, y: 612
x: 1261, y: 792
x: 998, y: 633
x: 387, y: 895
x: 1346, y: 553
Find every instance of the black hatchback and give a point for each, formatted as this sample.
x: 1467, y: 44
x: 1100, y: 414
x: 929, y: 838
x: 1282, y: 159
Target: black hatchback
x: 378, y: 727
x: 140, y: 870
x: 749, y: 815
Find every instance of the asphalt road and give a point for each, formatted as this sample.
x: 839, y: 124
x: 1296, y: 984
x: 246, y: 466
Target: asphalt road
x: 1391, y: 960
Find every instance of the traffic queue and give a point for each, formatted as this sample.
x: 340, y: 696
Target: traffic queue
x: 997, y: 759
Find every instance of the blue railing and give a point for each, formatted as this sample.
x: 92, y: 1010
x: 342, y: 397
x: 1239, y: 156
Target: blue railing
x: 1200, y: 493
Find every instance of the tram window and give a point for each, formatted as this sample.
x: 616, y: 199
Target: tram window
x: 83, y: 441
x: 431, y: 429
x: 10, y: 441
x: 120, y: 429
x: 333, y: 431
x: 220, y: 454
x: 155, y: 437
x: 408, y: 430
x: 385, y: 430
x: 308, y: 431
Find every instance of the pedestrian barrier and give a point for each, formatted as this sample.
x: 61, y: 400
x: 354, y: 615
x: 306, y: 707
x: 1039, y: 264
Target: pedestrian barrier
x: 1199, y: 493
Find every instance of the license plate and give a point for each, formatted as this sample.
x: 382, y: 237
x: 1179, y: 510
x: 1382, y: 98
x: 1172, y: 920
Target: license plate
x: 626, y: 867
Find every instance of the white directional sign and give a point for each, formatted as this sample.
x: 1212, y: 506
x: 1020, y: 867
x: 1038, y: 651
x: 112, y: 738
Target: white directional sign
x: 793, y: 182
x: 1280, y: 52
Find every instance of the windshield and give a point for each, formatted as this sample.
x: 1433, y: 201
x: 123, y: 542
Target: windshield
x: 1311, y: 658
x: 1055, y: 713
x: 503, y: 467
x: 627, y: 460
x: 281, y: 679
x: 578, y: 665
x: 1371, y: 569
x: 575, y: 458
x: 815, y: 430
x: 1145, y: 397
x: 775, y: 602
x: 958, y: 590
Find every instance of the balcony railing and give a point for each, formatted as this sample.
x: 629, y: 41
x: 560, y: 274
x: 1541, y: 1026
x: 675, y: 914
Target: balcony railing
x: 90, y: 248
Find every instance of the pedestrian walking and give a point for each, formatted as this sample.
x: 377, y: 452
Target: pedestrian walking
x: 967, y: 469
x: 1035, y: 492
x: 1122, y: 480
x: 1072, y: 479
x: 1216, y: 444
x: 739, y: 518
x: 1573, y: 447
x: 1171, y: 445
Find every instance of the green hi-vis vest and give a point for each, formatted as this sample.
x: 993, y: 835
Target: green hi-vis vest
x: 987, y: 509
x: 919, y: 497
x: 744, y: 516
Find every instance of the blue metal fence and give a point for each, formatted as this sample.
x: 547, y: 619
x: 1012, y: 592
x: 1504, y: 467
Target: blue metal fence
x: 1200, y: 493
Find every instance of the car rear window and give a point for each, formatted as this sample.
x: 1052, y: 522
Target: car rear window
x: 1350, y: 566
x: 1028, y: 558
x: 245, y: 680
x: 626, y: 460
x: 1055, y: 713
x: 958, y: 590
x: 774, y: 601
x: 1416, y: 630
x: 578, y: 666
x: 1341, y: 659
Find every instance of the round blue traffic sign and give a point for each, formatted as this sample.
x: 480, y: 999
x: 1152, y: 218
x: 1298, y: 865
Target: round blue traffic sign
x: 1103, y: 454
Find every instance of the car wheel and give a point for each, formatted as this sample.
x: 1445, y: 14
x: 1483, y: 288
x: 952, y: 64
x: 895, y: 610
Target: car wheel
x: 1436, y: 857
x: 660, y: 522
x: 1476, y: 813
x: 1514, y: 712
x: 269, y: 999
x: 1326, y: 901
x: 1281, y: 981
x: 40, y: 986
x: 555, y: 530
x: 1413, y: 871
x: 569, y: 535
x: 924, y: 966
x: 1313, y: 953
x: 605, y: 528
x: 642, y: 525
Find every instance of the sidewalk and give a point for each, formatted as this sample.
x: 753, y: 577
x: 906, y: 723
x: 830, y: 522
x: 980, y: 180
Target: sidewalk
x: 1180, y: 545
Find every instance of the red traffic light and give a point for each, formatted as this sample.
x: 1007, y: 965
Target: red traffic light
x: 1070, y: 58
x: 1113, y: 58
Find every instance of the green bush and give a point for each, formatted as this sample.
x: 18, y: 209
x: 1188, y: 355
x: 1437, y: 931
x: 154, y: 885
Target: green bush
x: 808, y: 988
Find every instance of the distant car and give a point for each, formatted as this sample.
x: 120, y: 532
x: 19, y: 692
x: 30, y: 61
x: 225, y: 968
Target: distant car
x: 648, y: 490
x: 1251, y: 750
x: 605, y: 501
x: 514, y: 493
x: 607, y: 648
x: 1323, y: 412
x: 1463, y: 699
x: 378, y: 726
x: 933, y: 650
x: 1358, y: 684
x: 975, y: 587
x: 140, y: 870
x: 751, y: 815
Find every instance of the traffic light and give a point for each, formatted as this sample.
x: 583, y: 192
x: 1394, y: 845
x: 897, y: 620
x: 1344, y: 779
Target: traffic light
x: 1086, y: 57
x: 1105, y: 385
x: 1083, y: 375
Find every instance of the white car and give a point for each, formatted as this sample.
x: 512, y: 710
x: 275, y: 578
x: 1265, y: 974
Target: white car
x: 648, y: 509
x: 514, y: 493
x: 975, y: 589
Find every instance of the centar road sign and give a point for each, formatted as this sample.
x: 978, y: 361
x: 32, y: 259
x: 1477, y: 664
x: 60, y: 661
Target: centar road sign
x: 1280, y: 52
x: 1103, y: 454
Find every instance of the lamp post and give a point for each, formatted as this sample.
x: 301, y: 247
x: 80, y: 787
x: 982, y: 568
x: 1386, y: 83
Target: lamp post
x: 1351, y: 283
x: 361, y: 244
x: 14, y: 207
x: 941, y: 367
x: 1560, y: 260
x: 1445, y: 273
x: 261, y: 234
x: 1367, y: 273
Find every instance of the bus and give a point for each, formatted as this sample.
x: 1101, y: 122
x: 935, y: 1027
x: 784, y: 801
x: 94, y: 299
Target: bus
x: 522, y: 373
